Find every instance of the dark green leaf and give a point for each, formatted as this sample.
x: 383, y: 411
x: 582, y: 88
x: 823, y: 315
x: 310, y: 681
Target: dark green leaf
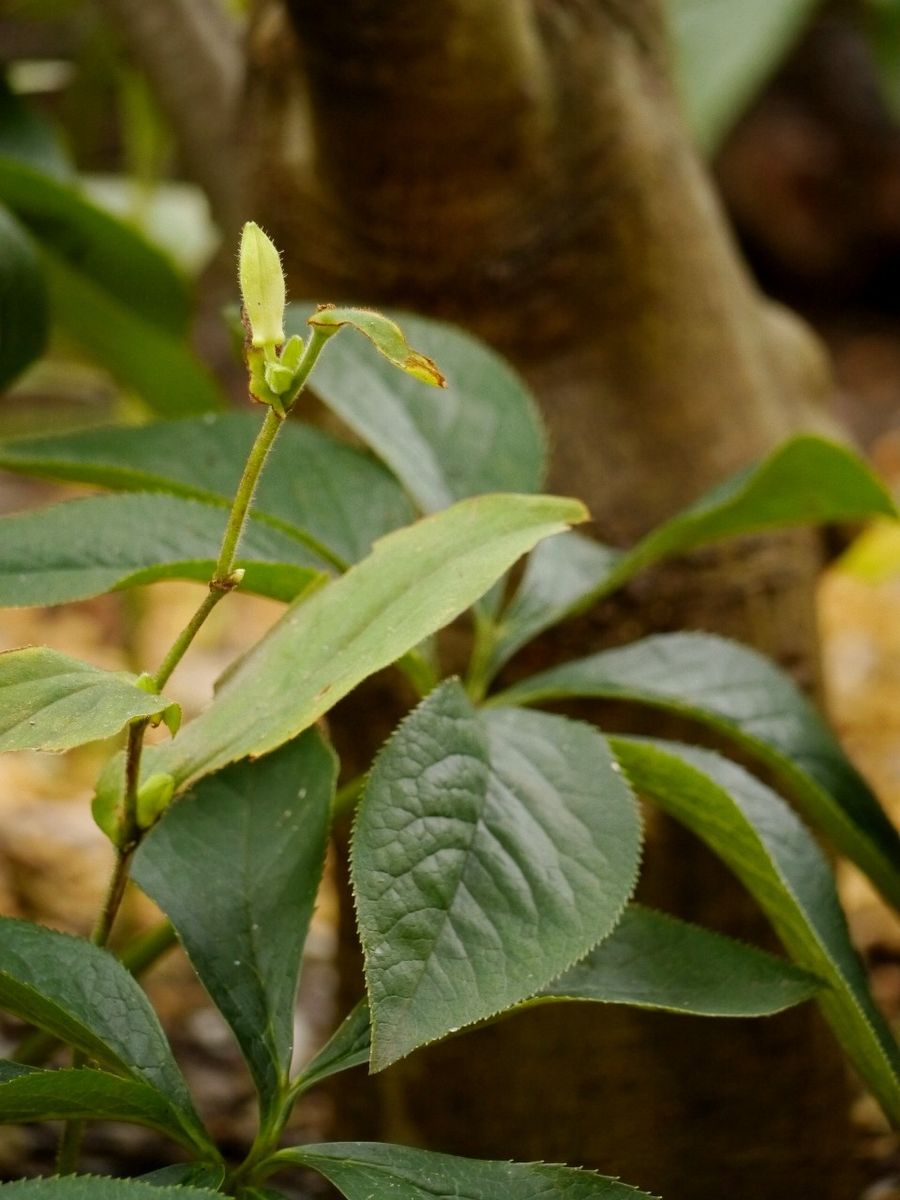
x: 347, y: 1047
x: 28, y: 138
x: 343, y: 498
x: 482, y: 434
x: 85, y: 997
x: 235, y: 865
x: 49, y: 701
x: 202, y: 1175
x: 806, y: 481
x: 93, y: 1095
x: 12, y: 1070
x: 23, y: 300
x: 415, y: 581
x: 139, y: 353
x: 757, y: 835
x: 726, y: 49
x: 651, y: 960
x: 739, y: 693
x: 491, y: 851
x: 375, y: 1171
x: 103, y: 543
x: 93, y: 1187
x: 107, y: 252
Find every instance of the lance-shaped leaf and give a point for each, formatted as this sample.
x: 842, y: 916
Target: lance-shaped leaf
x: 314, y: 486
x: 739, y: 693
x: 491, y: 851
x: 347, y: 1047
x: 415, y: 581
x: 95, y: 1187
x: 198, y: 1175
x: 376, y: 1171
x: 107, y: 252
x: 100, y: 544
x: 23, y: 300
x: 140, y: 354
x: 808, y: 480
x: 483, y: 434
x: 385, y: 335
x: 725, y: 51
x: 758, y: 836
x: 49, y: 701
x: 86, y: 998
x: 651, y: 960
x: 235, y: 865
x: 79, y: 1094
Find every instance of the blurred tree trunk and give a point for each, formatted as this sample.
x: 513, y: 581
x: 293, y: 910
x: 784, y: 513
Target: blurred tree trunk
x: 520, y: 166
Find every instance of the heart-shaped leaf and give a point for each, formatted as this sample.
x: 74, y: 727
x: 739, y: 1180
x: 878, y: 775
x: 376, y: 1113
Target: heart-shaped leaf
x: 491, y: 851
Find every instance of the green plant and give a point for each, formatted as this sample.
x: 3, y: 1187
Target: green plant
x: 496, y: 847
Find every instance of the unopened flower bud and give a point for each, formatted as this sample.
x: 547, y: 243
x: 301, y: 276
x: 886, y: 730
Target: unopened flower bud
x: 262, y: 287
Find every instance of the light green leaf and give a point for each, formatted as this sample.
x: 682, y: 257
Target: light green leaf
x: 651, y: 960
x: 49, y: 701
x: 385, y: 335
x: 341, y: 497
x: 100, y: 544
x: 68, y: 1095
x: 23, y: 300
x: 415, y: 581
x: 491, y: 851
x: 140, y: 353
x: 86, y: 998
x: 757, y: 835
x: 375, y: 1171
x: 807, y: 481
x: 202, y: 1175
x: 482, y: 435
x: 739, y: 693
x: 347, y: 1047
x: 107, y: 252
x: 725, y: 51
x: 235, y: 865
x: 94, y: 1187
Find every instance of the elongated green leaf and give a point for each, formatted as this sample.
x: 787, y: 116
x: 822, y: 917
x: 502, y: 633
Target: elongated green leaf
x: 103, y: 250
x: 85, y: 997
x: 807, y: 481
x: 757, y: 835
x: 375, y: 1171
x: 95, y: 1187
x: 103, y: 543
x: 725, y: 51
x: 235, y: 865
x: 385, y: 335
x: 651, y: 960
x: 140, y: 354
x: 49, y: 701
x: 491, y: 851
x: 482, y: 435
x: 12, y: 1070
x: 347, y: 1047
x: 197, y: 1175
x: 340, y: 496
x: 740, y: 694
x: 94, y: 1095
x: 26, y: 137
x: 415, y: 581
x: 23, y: 300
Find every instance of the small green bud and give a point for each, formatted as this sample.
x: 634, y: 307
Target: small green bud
x: 153, y: 798
x: 172, y: 718
x: 278, y: 378
x: 262, y: 287
x: 292, y: 352
x: 147, y: 683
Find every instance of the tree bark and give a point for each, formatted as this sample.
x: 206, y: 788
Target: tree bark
x: 520, y: 166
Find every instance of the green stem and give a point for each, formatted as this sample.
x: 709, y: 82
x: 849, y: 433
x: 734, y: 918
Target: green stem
x: 478, y: 676
x: 346, y: 797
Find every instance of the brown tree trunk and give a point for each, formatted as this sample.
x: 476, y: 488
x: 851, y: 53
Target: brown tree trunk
x: 520, y: 166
